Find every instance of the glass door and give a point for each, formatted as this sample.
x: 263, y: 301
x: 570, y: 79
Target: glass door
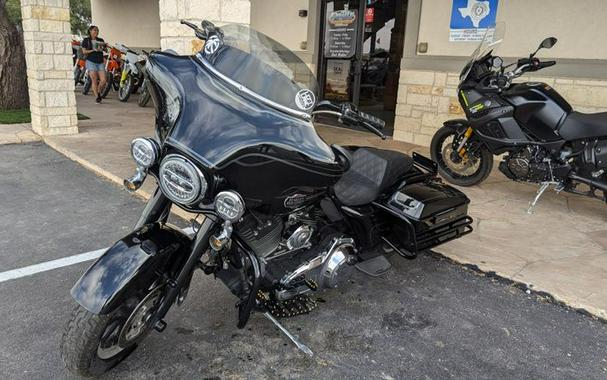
x: 362, y: 45
x: 341, y: 50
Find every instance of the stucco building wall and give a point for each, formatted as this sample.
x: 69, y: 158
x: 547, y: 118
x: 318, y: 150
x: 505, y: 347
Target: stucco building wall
x: 134, y: 23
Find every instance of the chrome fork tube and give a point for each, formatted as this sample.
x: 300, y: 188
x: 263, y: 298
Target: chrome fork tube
x: 157, y: 209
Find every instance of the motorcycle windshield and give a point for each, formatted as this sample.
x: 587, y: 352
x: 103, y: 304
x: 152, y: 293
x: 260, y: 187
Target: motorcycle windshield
x: 261, y: 67
x: 213, y: 118
x: 493, y: 37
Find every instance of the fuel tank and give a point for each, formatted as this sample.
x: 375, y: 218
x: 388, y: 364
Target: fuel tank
x: 271, y: 158
x: 538, y: 109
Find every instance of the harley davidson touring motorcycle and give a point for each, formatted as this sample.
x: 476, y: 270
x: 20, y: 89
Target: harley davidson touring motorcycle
x: 543, y: 139
x: 285, y: 214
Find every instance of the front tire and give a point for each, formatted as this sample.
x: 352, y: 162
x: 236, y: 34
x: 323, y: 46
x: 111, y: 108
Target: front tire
x: 93, y: 344
x: 108, y: 85
x: 124, y: 92
x: 80, y: 342
x: 469, y: 172
x: 87, y: 84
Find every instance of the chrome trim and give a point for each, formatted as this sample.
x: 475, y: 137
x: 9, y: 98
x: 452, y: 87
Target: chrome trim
x: 201, y: 192
x: 238, y: 205
x: 151, y: 144
x: 249, y: 92
x: 318, y: 260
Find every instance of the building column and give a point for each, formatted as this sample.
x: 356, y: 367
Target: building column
x: 181, y: 38
x: 48, y: 54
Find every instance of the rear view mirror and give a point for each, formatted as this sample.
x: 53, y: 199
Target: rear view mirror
x: 497, y: 62
x: 548, y: 43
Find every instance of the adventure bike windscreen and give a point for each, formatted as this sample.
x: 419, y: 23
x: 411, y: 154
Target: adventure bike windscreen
x: 262, y: 65
x: 494, y: 35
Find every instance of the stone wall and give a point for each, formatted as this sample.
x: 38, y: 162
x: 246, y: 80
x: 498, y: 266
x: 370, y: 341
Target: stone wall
x: 48, y: 55
x: 179, y: 37
x: 426, y: 99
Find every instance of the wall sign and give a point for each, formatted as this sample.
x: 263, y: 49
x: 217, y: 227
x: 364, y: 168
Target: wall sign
x: 471, y: 18
x: 340, y: 40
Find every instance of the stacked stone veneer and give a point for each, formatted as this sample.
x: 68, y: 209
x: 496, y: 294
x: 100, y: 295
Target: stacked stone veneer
x: 426, y: 99
x: 174, y: 35
x: 48, y: 54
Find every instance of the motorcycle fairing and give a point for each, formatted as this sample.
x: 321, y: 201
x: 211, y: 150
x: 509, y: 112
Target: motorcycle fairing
x: 215, y: 121
x: 129, y: 266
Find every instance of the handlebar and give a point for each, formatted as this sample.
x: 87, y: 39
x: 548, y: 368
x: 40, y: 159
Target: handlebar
x: 347, y: 114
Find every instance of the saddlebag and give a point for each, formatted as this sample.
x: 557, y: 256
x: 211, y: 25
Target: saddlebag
x: 425, y: 211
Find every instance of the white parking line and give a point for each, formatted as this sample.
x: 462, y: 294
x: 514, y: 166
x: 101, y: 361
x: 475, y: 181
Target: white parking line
x: 50, y: 265
x: 60, y: 263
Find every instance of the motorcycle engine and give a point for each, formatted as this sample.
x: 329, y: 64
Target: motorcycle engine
x: 527, y: 164
x: 297, y: 255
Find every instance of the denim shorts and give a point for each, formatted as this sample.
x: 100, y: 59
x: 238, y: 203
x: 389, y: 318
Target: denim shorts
x: 92, y: 66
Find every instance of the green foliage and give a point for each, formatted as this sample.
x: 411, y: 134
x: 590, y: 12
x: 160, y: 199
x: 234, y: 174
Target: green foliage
x: 23, y: 116
x: 15, y: 116
x: 80, y: 14
x: 13, y: 9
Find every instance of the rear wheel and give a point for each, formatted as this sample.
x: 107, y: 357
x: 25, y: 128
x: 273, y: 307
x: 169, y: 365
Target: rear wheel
x: 93, y: 344
x: 469, y: 170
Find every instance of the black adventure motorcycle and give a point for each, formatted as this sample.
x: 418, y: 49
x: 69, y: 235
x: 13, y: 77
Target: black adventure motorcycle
x: 545, y: 141
x: 285, y: 215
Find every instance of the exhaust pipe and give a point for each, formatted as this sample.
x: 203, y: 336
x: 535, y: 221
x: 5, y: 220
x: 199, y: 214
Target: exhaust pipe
x: 590, y: 182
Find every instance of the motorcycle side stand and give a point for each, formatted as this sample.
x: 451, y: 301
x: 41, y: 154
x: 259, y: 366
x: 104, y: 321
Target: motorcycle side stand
x: 543, y: 187
x: 293, y: 338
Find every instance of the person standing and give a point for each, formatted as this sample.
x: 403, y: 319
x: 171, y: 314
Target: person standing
x: 93, y: 47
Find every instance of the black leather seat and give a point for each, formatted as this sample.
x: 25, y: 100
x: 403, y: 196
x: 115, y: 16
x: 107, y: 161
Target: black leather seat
x: 579, y: 125
x: 371, y: 172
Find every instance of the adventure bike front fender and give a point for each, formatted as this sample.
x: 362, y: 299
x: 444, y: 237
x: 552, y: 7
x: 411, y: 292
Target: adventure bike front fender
x: 459, y: 125
x: 131, y: 266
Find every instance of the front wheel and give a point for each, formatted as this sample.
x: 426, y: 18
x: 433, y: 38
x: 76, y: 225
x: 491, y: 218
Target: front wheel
x: 469, y: 170
x: 93, y: 344
x: 124, y: 92
x: 108, y: 85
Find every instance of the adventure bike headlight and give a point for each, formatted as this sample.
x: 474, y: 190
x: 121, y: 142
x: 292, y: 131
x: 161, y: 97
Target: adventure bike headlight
x: 144, y: 151
x: 180, y: 180
x: 229, y: 206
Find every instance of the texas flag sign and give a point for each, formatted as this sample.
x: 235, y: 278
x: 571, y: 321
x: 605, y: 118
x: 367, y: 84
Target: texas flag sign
x: 471, y: 18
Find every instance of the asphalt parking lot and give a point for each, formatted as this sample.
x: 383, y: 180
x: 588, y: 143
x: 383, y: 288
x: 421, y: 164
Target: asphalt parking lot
x: 426, y: 319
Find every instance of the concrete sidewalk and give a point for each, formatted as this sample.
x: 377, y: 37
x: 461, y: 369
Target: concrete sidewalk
x: 561, y: 249
x: 17, y: 134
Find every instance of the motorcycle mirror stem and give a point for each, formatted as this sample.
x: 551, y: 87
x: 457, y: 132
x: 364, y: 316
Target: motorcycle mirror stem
x: 547, y: 43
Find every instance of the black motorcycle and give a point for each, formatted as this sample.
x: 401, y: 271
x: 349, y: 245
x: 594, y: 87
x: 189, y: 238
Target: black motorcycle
x: 284, y: 214
x: 545, y: 141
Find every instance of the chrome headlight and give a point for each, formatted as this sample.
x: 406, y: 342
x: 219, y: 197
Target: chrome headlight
x: 229, y: 206
x: 180, y: 180
x: 144, y: 152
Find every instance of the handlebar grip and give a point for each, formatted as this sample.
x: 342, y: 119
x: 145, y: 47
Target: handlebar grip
x: 375, y: 122
x: 546, y: 64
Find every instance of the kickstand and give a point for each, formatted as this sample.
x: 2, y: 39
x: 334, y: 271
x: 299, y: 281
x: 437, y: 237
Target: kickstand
x: 293, y: 338
x: 539, y: 194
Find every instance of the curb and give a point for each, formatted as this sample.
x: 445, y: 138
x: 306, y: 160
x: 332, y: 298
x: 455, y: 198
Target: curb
x: 588, y: 311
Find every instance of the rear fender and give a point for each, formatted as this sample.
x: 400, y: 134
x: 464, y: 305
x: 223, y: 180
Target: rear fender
x: 132, y: 265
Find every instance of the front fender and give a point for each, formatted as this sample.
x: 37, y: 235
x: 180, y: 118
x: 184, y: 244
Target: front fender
x: 130, y: 266
x: 459, y: 125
